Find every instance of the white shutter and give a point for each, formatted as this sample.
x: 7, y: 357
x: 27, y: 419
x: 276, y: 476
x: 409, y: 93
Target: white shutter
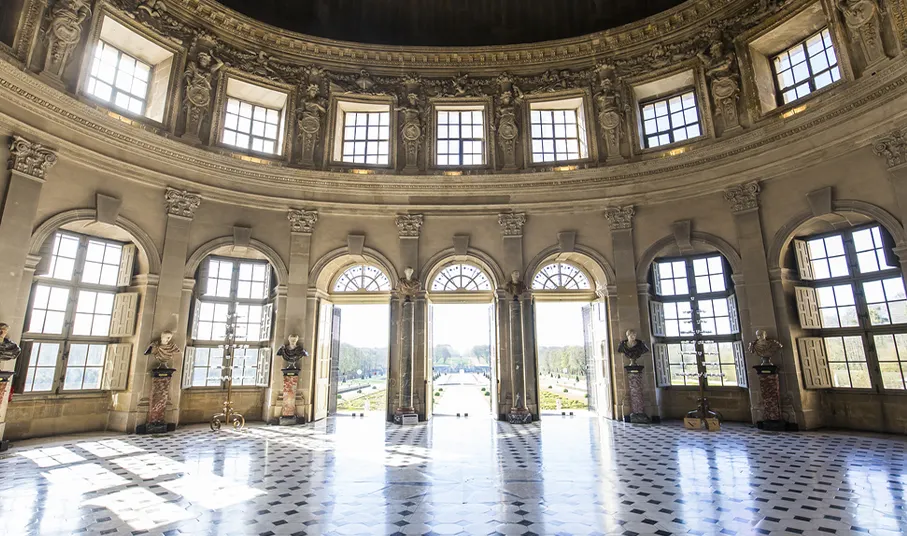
x: 657, y: 310
x: 801, y: 250
x: 814, y: 363
x: 195, y: 317
x: 264, y: 368
x: 808, y: 308
x: 656, y: 280
x: 125, y: 308
x: 662, y: 366
x: 116, y: 367
x: 733, y: 313
x: 188, y: 366
x: 740, y: 362
x: 266, y: 314
x: 127, y: 260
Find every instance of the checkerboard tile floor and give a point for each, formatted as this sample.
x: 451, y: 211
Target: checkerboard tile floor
x: 351, y: 476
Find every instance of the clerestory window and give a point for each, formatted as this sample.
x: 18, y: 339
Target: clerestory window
x: 805, y: 67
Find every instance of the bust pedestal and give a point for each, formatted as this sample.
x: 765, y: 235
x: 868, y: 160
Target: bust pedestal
x: 770, y: 387
x: 637, y: 400
x: 519, y: 416
x: 157, y: 405
x: 288, y: 409
x: 6, y: 383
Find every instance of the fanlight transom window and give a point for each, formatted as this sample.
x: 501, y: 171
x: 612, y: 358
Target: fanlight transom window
x: 362, y: 278
x: 560, y: 276
x: 461, y: 277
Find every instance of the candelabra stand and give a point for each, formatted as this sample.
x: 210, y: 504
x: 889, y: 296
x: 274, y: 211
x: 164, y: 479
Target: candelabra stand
x: 229, y: 416
x: 703, y: 416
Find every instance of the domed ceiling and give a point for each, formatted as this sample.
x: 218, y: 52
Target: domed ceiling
x: 448, y: 22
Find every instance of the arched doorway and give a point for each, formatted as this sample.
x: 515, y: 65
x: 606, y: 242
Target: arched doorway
x: 461, y: 340
x: 352, y: 345
x: 572, y: 336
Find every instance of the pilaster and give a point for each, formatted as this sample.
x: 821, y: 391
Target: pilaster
x: 893, y: 148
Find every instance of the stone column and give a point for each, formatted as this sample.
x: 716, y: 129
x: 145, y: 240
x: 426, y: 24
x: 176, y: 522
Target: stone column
x: 412, y: 349
x: 516, y: 356
x: 755, y: 299
x: 173, y: 296
x: 405, y: 406
x: 302, y: 225
x: 28, y: 165
x: 630, y: 301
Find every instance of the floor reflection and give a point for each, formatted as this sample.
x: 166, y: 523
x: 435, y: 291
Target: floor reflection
x: 566, y: 475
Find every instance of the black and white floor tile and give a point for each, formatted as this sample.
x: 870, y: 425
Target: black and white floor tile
x: 349, y: 476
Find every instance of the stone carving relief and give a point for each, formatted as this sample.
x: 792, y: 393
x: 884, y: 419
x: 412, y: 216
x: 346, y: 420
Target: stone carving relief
x: 64, y: 33
x: 199, y: 78
x: 721, y: 70
x: 412, y: 129
x: 507, y: 126
x: 743, y: 196
x: 620, y: 218
x: 862, y: 18
x: 310, y: 121
x: 893, y: 148
x: 181, y: 203
x: 612, y: 111
x: 409, y: 225
x: 29, y: 158
x: 302, y: 221
x: 512, y: 223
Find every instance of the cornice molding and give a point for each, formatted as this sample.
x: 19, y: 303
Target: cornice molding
x: 30, y: 158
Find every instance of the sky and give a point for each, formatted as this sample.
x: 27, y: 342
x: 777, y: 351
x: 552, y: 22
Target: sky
x: 462, y: 325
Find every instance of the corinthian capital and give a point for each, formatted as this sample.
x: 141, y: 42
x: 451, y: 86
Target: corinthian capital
x: 29, y: 158
x: 893, y: 148
x: 743, y: 196
x: 302, y: 221
x: 409, y: 225
x: 620, y: 217
x: 512, y: 223
x: 181, y: 203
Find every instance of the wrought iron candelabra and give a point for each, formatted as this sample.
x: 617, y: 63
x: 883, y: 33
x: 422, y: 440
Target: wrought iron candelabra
x: 229, y: 416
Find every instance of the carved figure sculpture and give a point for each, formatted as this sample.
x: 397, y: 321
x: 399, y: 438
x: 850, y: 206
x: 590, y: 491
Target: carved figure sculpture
x: 409, y: 286
x: 507, y: 129
x: 199, y: 77
x: 292, y: 352
x: 862, y: 19
x: 309, y: 121
x: 632, y: 347
x: 412, y: 131
x: 515, y: 287
x: 64, y: 33
x: 8, y: 349
x: 763, y: 347
x: 611, y: 114
x: 163, y: 350
x: 721, y: 70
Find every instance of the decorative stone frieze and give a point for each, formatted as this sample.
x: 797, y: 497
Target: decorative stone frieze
x: 508, y: 130
x: 722, y: 71
x: 29, y: 158
x: 412, y: 129
x: 862, y: 20
x: 310, y: 122
x: 743, y: 196
x: 302, y: 221
x: 620, y: 218
x: 200, y: 77
x: 612, y: 111
x: 64, y: 33
x: 512, y: 223
x: 181, y: 203
x: 409, y: 225
x: 893, y: 148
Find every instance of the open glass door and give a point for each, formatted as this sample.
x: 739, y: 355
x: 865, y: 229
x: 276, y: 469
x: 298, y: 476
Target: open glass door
x: 335, y: 361
x: 322, y: 387
x: 598, y: 372
x: 493, y: 358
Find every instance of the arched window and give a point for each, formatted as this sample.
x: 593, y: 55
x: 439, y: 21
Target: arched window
x: 853, y: 302
x: 695, y: 323
x: 461, y: 277
x: 560, y: 276
x: 227, y: 288
x: 362, y: 278
x: 77, y: 315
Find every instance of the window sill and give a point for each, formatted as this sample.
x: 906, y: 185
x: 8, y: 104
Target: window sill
x: 73, y: 395
x: 781, y: 110
x: 363, y: 169
x: 671, y: 148
x: 707, y: 389
x: 124, y: 115
x: 545, y: 166
x: 212, y: 389
x: 249, y: 155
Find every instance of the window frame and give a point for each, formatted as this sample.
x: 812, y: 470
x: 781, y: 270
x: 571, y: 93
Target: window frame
x: 113, y: 87
x: 865, y: 330
x: 579, y: 100
x: 243, y: 83
x: 676, y: 92
x: 698, y: 339
x: 252, y: 137
x: 779, y: 92
x: 486, y: 139
x: 231, y: 301
x: 340, y: 105
x: 66, y: 338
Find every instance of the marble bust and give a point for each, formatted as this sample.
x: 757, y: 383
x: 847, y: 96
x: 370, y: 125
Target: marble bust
x: 8, y: 349
x: 764, y: 347
x: 163, y: 350
x: 292, y: 352
x: 409, y: 286
x: 632, y: 347
x: 515, y: 286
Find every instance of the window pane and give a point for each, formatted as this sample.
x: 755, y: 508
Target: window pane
x: 669, y: 120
